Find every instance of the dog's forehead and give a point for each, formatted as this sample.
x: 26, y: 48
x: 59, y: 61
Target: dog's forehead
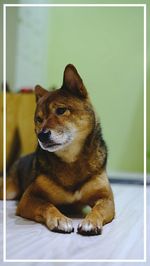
x: 59, y: 98
x: 52, y: 99
x: 49, y: 97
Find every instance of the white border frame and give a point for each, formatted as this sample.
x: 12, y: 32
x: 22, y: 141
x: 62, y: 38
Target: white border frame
x: 4, y: 131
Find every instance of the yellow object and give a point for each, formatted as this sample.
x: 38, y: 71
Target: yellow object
x: 19, y: 126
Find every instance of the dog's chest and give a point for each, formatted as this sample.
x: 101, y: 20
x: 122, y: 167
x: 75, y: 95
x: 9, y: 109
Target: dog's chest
x: 61, y: 195
x: 71, y: 176
x: 62, y: 183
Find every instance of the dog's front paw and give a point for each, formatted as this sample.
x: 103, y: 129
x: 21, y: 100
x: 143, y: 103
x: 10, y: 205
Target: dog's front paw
x: 90, y: 226
x: 61, y: 224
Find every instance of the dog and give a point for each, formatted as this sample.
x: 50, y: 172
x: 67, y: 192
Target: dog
x: 68, y: 168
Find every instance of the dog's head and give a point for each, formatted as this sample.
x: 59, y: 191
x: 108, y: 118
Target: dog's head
x: 65, y: 115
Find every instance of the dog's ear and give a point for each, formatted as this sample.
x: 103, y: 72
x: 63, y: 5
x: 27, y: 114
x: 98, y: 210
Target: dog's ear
x: 39, y: 92
x: 73, y: 82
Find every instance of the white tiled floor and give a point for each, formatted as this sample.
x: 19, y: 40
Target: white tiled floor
x: 121, y: 239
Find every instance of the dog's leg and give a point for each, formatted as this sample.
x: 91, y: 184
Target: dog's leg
x: 102, y: 213
x: 1, y: 188
x: 100, y: 196
x: 40, y: 210
x: 12, y: 189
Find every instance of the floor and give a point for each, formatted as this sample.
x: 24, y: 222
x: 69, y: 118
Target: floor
x: 121, y: 239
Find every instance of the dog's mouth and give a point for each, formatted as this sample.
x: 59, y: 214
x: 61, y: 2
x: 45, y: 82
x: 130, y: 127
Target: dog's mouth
x: 52, y: 146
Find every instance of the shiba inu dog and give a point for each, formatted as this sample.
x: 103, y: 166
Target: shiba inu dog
x: 68, y: 167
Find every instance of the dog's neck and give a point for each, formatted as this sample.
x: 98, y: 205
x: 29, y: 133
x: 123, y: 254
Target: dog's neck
x: 71, y: 153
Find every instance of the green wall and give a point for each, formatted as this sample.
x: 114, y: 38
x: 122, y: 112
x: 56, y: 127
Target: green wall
x: 106, y: 46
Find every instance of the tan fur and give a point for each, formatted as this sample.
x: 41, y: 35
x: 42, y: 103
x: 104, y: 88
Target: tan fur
x: 71, y: 153
x: 74, y: 175
x: 12, y: 189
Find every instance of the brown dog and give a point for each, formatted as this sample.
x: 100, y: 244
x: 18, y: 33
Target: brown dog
x: 68, y: 167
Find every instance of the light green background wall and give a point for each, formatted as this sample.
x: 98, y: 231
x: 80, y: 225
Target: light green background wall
x: 106, y: 46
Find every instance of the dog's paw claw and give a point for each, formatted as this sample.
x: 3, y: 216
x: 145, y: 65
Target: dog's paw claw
x: 89, y: 228
x: 60, y: 225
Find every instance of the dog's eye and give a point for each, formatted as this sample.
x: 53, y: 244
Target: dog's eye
x: 39, y: 119
x: 61, y: 110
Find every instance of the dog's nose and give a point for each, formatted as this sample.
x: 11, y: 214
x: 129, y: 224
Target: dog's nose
x: 44, y: 136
